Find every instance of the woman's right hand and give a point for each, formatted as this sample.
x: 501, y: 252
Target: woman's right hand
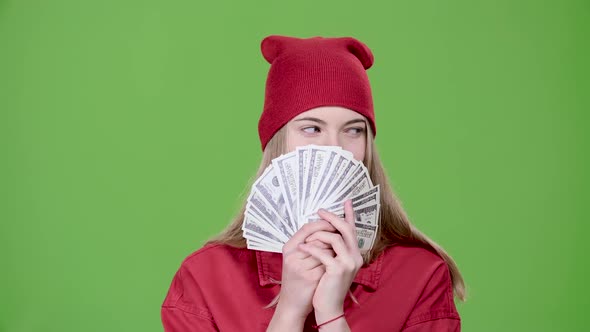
x: 300, y: 277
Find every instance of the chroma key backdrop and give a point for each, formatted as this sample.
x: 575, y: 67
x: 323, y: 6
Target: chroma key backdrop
x: 128, y: 138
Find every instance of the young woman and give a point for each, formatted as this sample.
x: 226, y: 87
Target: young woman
x: 317, y: 92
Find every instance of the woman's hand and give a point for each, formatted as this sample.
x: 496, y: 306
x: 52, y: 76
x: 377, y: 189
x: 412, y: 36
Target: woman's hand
x: 340, y: 270
x: 300, y: 277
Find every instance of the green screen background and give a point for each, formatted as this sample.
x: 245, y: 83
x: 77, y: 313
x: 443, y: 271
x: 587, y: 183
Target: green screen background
x: 128, y: 137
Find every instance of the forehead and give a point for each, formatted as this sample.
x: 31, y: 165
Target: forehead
x: 330, y: 112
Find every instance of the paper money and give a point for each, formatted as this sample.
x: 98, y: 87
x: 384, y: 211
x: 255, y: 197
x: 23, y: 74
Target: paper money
x: 296, y: 185
x: 270, y: 190
x: 286, y: 169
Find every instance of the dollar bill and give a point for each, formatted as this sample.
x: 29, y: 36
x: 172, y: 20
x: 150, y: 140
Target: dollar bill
x: 266, y: 213
x: 335, y: 178
x: 269, y: 188
x: 360, y: 183
x: 370, y: 197
x: 318, y: 159
x: 295, y: 185
x: 253, y: 225
x: 286, y: 168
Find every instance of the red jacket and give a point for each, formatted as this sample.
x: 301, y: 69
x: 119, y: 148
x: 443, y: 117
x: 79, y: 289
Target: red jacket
x: 221, y: 288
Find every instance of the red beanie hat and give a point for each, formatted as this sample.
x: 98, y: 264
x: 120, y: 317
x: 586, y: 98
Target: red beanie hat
x: 314, y: 72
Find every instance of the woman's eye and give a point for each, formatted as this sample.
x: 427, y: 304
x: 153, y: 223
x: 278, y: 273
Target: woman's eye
x: 355, y: 130
x: 311, y: 130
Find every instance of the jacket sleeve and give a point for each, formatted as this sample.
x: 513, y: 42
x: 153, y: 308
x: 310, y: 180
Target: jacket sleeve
x: 435, y: 309
x: 184, y: 308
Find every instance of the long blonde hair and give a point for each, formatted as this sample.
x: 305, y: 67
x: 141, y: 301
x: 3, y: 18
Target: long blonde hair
x: 395, y: 226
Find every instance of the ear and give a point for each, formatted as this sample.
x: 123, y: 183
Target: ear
x: 272, y: 46
x: 361, y: 51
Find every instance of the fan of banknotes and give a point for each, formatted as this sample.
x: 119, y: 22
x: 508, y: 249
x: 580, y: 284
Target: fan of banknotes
x: 297, y: 184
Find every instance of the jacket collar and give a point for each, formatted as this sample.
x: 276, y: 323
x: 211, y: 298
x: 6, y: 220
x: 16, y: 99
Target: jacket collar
x: 270, y: 267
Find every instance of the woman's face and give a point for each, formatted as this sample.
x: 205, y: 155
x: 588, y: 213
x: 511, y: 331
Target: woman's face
x: 329, y: 125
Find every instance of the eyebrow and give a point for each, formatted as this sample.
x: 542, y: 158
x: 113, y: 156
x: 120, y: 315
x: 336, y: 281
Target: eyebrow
x: 320, y: 121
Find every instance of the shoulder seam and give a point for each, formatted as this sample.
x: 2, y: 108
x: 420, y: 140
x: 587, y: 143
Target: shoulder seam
x: 432, y: 315
x: 441, y: 313
x: 176, y: 303
x: 198, y: 313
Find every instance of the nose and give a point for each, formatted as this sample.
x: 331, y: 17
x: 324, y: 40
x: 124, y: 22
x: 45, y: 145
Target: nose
x: 331, y: 139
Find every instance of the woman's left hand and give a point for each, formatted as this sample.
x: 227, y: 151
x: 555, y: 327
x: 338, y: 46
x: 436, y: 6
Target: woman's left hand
x: 328, y: 299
